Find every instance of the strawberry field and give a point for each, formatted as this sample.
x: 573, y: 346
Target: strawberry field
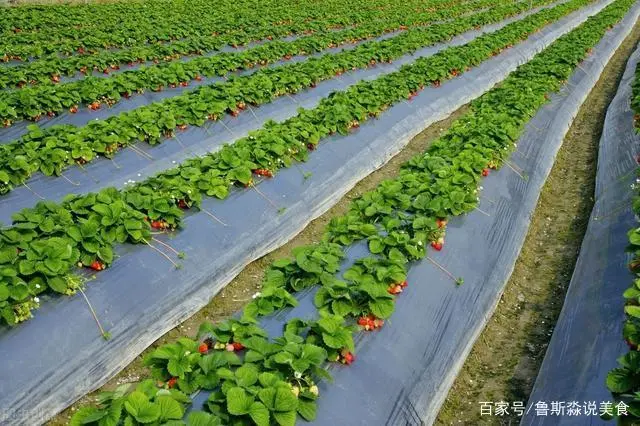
x: 147, y: 156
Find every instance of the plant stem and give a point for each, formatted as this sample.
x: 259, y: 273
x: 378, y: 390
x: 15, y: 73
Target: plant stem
x: 442, y: 268
x: 214, y: 217
x: 105, y: 335
x: 34, y: 192
x: 166, y: 245
x: 162, y: 253
x: 264, y: 196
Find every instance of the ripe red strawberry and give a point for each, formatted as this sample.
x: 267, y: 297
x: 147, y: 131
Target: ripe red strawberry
x: 73, y: 109
x: 237, y: 346
x: 51, y: 114
x: 404, y: 284
x: 436, y: 245
x: 94, y: 105
x: 158, y: 224
x: 394, y: 289
x: 485, y: 172
x: 347, y: 357
x: 363, y: 321
x: 182, y: 204
x: 203, y: 348
x: 263, y: 172
x: 96, y: 265
x: 172, y: 382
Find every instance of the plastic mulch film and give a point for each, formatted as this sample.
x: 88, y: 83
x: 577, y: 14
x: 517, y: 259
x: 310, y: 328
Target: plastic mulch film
x: 59, y: 355
x: 587, y: 339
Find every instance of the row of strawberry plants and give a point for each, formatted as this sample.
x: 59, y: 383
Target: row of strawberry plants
x: 194, y: 19
x: 56, y: 148
x: 255, y: 380
x: 90, y: 225
x: 245, y: 24
x: 49, y: 70
x: 33, y: 103
x: 624, y: 381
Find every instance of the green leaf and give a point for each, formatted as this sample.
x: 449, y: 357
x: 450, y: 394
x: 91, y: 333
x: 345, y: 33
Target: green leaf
x: 285, y: 400
x: 247, y: 375
x: 138, y: 405
x: 19, y: 292
x: 285, y: 418
x: 200, y: 418
x: 259, y: 414
x: 376, y: 246
x: 619, y: 380
x: 307, y: 409
x: 4, y: 292
x: 169, y: 408
x: 85, y: 415
x: 238, y: 402
x: 382, y: 308
x: 57, y: 284
x: 632, y: 310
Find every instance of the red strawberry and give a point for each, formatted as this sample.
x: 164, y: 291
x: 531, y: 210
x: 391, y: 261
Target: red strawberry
x: 347, y: 357
x: 237, y: 346
x: 404, y: 284
x: 73, y: 109
x: 182, y: 204
x: 158, y: 224
x: 441, y: 223
x: 172, y: 382
x: 394, y: 289
x: 198, y: 78
x: 203, y: 348
x: 96, y: 265
x: 485, y: 172
x: 436, y: 245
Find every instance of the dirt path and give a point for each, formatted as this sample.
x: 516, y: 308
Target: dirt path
x: 504, y: 362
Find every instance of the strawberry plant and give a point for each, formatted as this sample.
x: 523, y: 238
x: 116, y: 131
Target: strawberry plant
x: 149, y: 123
x: 275, y: 381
